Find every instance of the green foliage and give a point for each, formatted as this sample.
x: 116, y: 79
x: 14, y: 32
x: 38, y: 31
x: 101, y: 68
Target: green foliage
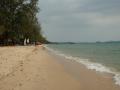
x: 18, y: 21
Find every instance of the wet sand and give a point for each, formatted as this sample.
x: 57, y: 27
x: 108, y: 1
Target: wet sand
x: 34, y: 68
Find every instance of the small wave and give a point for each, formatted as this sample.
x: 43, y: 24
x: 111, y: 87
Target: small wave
x: 117, y: 79
x: 90, y: 65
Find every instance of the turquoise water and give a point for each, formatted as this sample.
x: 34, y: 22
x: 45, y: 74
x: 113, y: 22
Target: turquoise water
x: 99, y: 56
x: 107, y: 54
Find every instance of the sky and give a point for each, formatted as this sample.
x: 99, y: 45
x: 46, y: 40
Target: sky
x: 80, y: 20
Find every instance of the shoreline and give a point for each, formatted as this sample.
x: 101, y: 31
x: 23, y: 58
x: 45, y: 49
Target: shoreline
x: 75, y: 68
x: 35, y: 68
x: 92, y: 66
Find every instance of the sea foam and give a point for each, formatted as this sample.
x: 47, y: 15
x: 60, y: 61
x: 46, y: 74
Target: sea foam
x: 90, y: 65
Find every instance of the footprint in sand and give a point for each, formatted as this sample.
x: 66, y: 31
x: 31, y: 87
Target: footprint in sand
x: 20, y: 84
x: 13, y: 74
x: 21, y: 69
x: 21, y: 63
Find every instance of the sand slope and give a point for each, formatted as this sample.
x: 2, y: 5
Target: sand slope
x: 34, y: 68
x: 31, y: 68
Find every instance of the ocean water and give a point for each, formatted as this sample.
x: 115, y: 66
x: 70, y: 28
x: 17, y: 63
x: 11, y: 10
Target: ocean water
x: 102, y: 57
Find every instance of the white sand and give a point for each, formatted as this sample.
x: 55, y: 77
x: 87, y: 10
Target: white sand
x: 33, y: 68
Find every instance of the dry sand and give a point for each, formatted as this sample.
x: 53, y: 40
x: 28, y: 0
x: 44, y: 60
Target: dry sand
x: 34, y: 68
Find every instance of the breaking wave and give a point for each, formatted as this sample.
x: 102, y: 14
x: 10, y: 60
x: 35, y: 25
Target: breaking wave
x: 90, y: 65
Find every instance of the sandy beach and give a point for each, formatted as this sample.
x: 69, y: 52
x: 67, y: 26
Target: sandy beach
x: 34, y: 68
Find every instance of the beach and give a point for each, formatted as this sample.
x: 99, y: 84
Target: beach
x: 35, y: 68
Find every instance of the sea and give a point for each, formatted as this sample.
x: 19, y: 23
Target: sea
x: 101, y: 57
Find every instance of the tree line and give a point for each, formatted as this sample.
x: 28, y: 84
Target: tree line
x: 18, y: 21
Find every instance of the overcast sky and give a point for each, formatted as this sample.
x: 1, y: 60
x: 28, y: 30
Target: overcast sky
x: 80, y: 20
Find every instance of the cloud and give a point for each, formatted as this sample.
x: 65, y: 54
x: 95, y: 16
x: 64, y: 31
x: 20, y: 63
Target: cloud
x: 80, y: 20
